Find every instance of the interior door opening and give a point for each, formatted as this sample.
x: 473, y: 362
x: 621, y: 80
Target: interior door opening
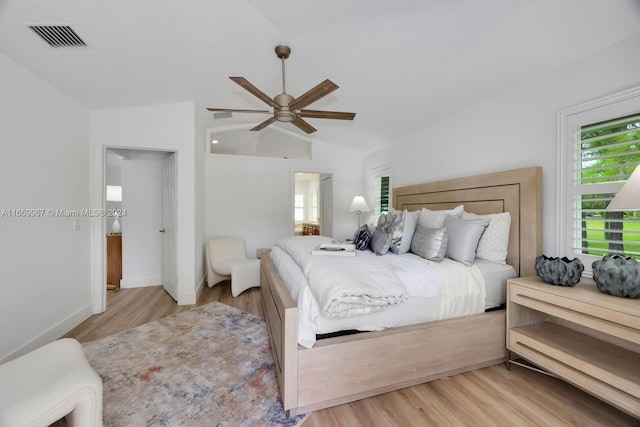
x: 313, y: 204
x: 146, y: 229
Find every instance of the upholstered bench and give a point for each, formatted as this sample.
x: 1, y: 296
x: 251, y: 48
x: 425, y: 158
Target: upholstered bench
x: 49, y: 383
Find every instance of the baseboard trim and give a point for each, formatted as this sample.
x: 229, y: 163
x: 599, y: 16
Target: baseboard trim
x: 140, y: 282
x: 192, y: 297
x: 52, y: 334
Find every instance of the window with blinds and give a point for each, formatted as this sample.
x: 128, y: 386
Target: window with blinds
x: 606, y: 155
x: 381, y: 188
x: 314, y: 207
x: 298, y: 207
x: 381, y: 198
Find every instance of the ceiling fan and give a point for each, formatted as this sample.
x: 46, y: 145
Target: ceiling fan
x: 286, y: 108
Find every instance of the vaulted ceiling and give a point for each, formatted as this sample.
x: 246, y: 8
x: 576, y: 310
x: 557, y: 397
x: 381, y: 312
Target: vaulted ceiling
x: 400, y: 64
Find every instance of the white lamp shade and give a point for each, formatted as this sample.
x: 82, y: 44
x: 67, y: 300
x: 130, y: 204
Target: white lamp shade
x: 359, y: 205
x: 628, y: 198
x: 114, y: 193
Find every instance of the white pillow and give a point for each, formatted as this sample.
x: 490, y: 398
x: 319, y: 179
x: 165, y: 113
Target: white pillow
x: 435, y: 219
x: 494, y: 243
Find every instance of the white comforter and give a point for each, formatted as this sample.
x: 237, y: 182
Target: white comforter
x: 436, y: 291
x: 345, y: 286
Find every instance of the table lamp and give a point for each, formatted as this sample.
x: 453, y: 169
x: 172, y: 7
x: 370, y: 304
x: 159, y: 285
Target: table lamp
x: 358, y: 205
x: 628, y: 198
x: 114, y: 194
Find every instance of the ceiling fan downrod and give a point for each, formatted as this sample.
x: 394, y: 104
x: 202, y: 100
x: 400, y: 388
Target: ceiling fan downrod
x: 283, y: 53
x: 284, y: 113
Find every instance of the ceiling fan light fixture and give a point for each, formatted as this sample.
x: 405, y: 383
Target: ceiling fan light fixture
x: 285, y: 116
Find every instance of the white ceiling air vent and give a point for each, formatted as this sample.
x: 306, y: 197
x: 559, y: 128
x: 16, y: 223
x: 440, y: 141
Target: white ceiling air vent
x: 58, y: 35
x: 222, y: 115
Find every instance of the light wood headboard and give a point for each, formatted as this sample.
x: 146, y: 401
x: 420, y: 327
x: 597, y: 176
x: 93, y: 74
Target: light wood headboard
x: 517, y: 191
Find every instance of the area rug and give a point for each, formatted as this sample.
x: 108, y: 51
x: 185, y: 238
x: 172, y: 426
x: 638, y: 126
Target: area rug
x: 209, y: 366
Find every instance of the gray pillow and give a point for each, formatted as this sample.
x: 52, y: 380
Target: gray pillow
x: 380, y: 242
x: 430, y: 243
x: 464, y: 236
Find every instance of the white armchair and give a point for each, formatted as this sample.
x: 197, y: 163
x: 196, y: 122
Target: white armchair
x: 227, y: 259
x: 51, y: 382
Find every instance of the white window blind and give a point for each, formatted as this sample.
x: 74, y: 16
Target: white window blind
x: 597, y: 151
x: 606, y: 154
x: 314, y: 207
x: 381, y: 191
x: 299, y: 207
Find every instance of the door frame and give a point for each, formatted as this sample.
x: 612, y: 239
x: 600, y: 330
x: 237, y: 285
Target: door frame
x: 98, y: 229
x: 322, y: 189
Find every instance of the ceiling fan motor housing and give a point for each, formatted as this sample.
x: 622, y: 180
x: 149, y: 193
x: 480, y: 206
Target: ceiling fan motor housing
x: 284, y: 113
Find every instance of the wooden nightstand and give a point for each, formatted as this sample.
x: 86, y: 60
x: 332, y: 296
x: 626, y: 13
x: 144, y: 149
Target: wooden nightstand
x: 114, y: 261
x: 581, y: 335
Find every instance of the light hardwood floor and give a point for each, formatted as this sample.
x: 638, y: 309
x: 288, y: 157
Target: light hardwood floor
x: 492, y: 396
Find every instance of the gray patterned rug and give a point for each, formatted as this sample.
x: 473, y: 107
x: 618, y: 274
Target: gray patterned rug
x: 209, y: 366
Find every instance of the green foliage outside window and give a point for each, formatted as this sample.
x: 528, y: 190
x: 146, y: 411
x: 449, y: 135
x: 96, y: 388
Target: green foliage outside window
x: 384, y: 194
x: 609, y: 153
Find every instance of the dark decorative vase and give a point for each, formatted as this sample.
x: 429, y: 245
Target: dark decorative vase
x: 559, y: 271
x: 617, y: 275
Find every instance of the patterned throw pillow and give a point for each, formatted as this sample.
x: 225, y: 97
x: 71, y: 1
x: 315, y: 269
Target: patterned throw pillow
x: 388, y: 222
x: 380, y: 242
x: 402, y: 244
x: 494, y: 243
x: 362, y: 237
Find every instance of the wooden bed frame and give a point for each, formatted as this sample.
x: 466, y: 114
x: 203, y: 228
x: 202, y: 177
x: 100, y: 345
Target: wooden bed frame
x: 342, y: 369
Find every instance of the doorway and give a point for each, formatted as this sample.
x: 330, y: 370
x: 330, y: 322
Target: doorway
x: 313, y: 204
x: 147, y: 222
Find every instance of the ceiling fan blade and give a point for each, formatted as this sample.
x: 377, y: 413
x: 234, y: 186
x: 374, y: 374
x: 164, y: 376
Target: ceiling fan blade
x: 303, y: 125
x: 317, y: 114
x: 232, y: 110
x: 264, y: 124
x: 324, y: 88
x: 255, y: 91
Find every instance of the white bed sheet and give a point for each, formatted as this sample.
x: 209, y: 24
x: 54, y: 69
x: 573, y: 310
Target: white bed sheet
x: 423, y: 305
x: 495, y: 278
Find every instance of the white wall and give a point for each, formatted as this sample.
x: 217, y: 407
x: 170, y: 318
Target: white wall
x: 252, y: 197
x: 44, y: 262
x: 516, y: 128
x: 168, y: 127
x: 113, y: 176
x: 141, y: 240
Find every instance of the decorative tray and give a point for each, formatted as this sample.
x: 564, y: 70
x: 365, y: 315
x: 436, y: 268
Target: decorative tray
x: 335, y: 249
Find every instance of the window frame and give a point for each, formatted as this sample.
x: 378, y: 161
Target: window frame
x: 570, y: 120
